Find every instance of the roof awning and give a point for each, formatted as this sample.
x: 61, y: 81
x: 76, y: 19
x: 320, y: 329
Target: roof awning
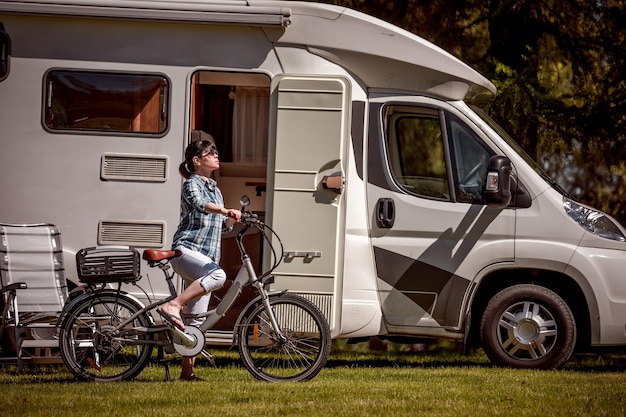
x: 158, y: 11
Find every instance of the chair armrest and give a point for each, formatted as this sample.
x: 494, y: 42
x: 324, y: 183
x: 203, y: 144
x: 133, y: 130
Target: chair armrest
x: 13, y: 287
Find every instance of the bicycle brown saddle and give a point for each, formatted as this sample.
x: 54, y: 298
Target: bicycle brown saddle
x: 160, y: 254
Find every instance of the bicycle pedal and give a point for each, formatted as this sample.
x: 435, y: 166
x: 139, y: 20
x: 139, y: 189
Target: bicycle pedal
x: 93, y: 364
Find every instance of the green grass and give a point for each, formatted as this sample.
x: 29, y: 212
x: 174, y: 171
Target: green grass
x: 356, y: 382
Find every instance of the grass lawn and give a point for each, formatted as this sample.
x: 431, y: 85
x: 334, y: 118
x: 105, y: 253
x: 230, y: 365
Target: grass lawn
x: 356, y: 382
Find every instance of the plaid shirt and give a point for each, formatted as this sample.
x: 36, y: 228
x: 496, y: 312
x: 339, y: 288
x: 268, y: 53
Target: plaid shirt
x: 198, y: 230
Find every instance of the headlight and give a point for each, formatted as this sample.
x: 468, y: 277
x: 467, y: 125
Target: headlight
x: 593, y: 221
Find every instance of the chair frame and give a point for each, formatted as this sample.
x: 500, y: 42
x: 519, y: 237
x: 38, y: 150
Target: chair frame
x: 28, y: 347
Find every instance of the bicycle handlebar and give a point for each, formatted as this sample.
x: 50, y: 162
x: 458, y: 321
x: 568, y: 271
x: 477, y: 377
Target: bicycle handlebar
x: 250, y: 219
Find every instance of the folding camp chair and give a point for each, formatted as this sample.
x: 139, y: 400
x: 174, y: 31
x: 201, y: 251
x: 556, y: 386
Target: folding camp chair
x: 33, y: 292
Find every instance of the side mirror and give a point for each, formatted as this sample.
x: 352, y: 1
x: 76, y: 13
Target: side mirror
x: 244, y: 201
x: 498, y: 186
x: 5, y: 52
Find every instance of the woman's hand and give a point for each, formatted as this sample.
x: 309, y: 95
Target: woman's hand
x: 234, y: 214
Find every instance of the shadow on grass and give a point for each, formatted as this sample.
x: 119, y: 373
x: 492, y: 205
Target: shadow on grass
x: 398, y: 362
x: 579, y: 362
x: 447, y: 354
x: 598, y: 362
x: 342, y: 356
x: 393, y: 355
x: 436, y: 355
x: 35, y: 374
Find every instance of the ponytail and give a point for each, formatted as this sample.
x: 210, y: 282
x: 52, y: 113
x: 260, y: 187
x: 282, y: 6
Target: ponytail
x: 183, y: 170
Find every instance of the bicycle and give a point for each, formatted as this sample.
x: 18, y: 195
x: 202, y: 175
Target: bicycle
x: 107, y: 334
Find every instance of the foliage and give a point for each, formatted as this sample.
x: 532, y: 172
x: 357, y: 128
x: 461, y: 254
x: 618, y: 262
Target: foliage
x: 560, y: 69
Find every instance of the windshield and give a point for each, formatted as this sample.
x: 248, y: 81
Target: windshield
x: 517, y: 148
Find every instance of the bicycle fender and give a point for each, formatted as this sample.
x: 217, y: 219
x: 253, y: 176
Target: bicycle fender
x: 69, y: 306
x: 250, y: 306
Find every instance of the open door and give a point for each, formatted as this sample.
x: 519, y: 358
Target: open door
x: 311, y: 123
x: 234, y: 108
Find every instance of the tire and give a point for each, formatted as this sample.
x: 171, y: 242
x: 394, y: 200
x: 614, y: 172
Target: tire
x: 89, y: 347
x: 528, y: 326
x: 298, y: 358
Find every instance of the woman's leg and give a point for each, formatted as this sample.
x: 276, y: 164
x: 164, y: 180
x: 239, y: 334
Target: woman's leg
x: 172, y: 308
x: 205, y: 276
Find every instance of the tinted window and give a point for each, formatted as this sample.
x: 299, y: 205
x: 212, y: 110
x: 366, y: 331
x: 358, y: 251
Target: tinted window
x: 470, y: 158
x: 106, y: 102
x: 416, y: 153
x: 418, y: 149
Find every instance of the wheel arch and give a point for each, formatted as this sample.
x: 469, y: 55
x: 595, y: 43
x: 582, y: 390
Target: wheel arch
x: 576, y: 295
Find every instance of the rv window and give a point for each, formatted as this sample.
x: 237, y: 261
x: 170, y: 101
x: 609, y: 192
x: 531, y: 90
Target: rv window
x: 417, y: 148
x: 470, y: 157
x: 106, y: 102
x: 5, y: 51
x: 416, y: 154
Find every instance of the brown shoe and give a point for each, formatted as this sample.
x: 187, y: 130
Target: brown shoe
x: 191, y: 378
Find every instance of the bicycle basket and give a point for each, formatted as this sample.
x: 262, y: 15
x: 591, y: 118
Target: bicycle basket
x: 103, y: 264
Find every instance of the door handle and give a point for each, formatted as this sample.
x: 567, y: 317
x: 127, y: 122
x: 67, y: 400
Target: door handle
x: 385, y: 213
x: 333, y: 182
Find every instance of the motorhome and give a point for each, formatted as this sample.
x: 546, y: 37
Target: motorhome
x: 405, y: 212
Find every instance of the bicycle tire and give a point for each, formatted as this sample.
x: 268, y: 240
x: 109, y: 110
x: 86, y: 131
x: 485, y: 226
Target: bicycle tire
x: 298, y: 358
x: 89, y: 347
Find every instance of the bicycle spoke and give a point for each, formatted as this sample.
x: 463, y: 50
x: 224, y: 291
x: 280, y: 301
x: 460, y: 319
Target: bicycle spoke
x: 92, y: 345
x: 304, y: 349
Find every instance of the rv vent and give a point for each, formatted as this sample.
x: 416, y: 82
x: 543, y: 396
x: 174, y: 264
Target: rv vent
x: 322, y: 301
x: 118, y: 167
x: 131, y: 233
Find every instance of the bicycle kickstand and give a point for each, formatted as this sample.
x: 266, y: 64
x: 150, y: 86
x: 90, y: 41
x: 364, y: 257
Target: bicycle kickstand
x: 165, y: 362
x: 208, y: 357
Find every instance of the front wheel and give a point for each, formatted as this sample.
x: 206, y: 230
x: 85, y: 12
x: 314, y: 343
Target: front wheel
x: 303, y: 351
x: 528, y: 326
x: 93, y: 345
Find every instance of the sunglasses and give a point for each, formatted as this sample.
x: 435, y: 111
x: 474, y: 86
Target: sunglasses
x: 212, y: 151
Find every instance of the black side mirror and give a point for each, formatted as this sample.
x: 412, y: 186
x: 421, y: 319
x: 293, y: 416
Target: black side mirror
x: 498, y: 186
x: 244, y: 201
x: 5, y: 52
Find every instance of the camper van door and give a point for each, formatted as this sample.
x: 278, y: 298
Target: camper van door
x: 431, y: 232
x: 311, y: 123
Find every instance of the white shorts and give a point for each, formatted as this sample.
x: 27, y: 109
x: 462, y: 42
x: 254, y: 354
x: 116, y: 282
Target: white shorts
x: 193, y: 265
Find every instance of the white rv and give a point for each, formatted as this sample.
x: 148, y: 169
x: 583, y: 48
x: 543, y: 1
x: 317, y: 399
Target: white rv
x: 404, y: 211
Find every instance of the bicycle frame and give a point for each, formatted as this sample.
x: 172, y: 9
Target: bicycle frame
x: 95, y: 334
x: 245, y: 276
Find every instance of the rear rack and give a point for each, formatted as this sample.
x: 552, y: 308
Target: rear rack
x: 102, y: 264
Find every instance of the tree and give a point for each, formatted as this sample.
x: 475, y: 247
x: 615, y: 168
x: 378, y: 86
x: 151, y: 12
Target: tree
x: 560, y: 69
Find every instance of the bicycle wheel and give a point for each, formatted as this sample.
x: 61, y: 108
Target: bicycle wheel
x: 300, y: 355
x: 91, y: 346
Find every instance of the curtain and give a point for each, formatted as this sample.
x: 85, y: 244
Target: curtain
x: 250, y: 126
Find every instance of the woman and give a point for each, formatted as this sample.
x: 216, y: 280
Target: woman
x: 203, y: 220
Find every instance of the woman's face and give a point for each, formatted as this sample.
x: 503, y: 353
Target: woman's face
x: 206, y: 163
